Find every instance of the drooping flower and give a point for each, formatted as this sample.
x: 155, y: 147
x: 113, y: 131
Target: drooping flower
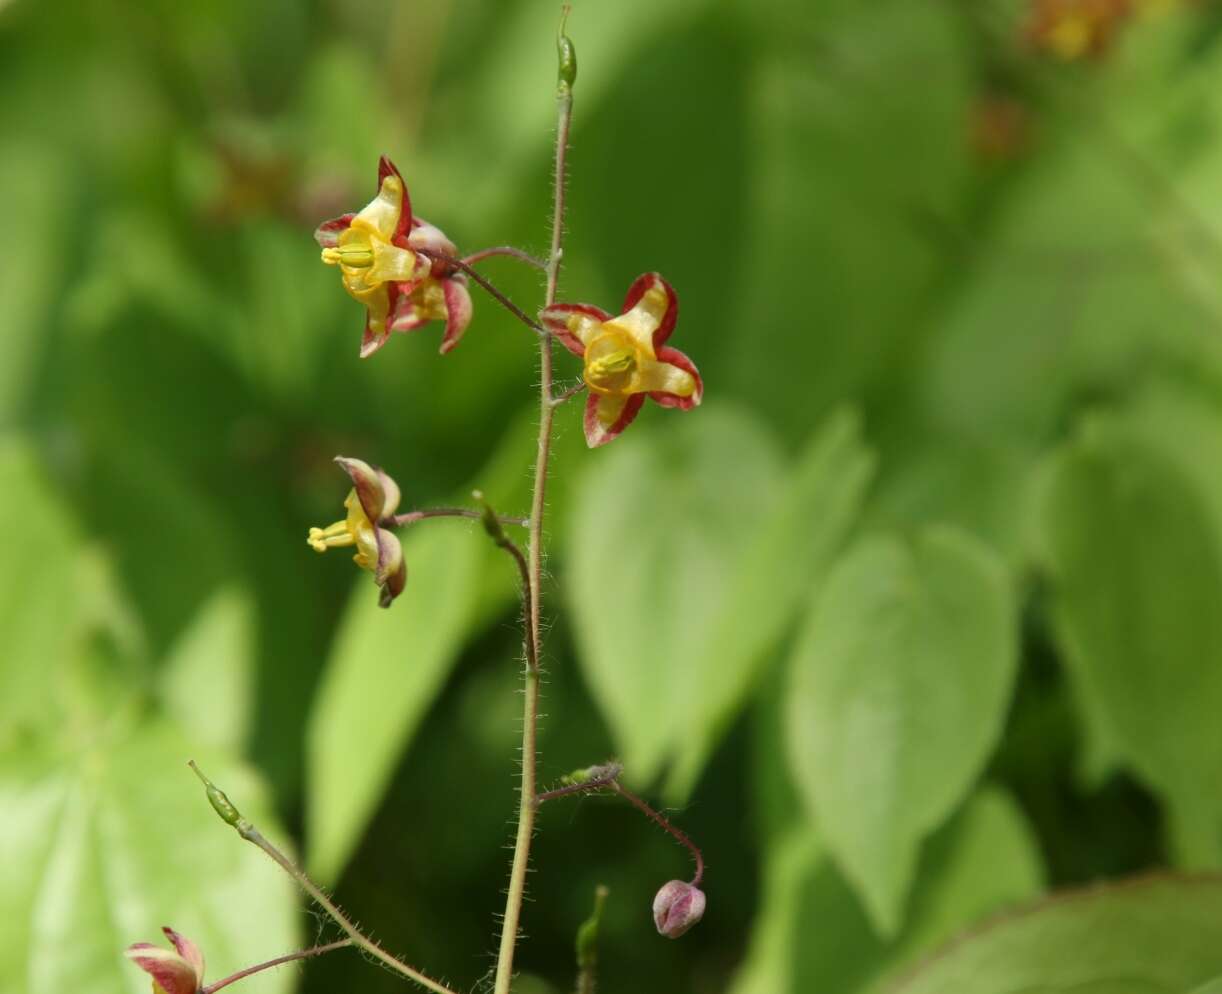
x: 677, y: 907
x: 626, y: 358
x: 176, y: 971
x: 373, y: 498
x: 391, y: 262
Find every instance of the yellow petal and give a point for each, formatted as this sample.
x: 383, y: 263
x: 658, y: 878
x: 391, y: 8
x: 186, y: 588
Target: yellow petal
x: 610, y: 407
x: 662, y: 377
x: 643, y: 320
x: 584, y: 327
x: 381, y: 215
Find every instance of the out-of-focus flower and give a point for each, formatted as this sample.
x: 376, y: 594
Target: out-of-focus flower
x: 176, y: 971
x: 379, y: 253
x: 626, y: 358
x: 1076, y: 29
x: 677, y: 907
x: 1000, y: 128
x: 373, y: 498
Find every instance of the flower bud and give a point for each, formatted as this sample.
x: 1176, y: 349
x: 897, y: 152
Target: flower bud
x: 677, y: 907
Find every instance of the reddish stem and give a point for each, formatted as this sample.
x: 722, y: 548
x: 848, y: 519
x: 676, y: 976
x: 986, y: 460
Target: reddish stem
x: 278, y: 961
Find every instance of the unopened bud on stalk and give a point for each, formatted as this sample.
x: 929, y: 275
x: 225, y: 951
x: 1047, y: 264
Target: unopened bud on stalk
x: 216, y: 797
x: 567, y: 54
x: 677, y: 907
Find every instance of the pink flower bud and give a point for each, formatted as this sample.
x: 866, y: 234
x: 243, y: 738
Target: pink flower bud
x: 677, y: 907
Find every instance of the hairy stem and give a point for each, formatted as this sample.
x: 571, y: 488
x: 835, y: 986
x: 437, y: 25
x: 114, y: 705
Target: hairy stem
x: 411, y: 517
x: 660, y: 819
x: 252, y: 834
x: 278, y: 961
x: 491, y: 289
x: 568, y: 394
x: 228, y: 813
x: 509, y: 250
x: 530, y: 716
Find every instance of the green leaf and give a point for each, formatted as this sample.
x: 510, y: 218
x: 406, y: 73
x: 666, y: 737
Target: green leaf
x: 106, y: 844
x: 787, y: 556
x: 1129, y: 530
x: 383, y: 673
x: 662, y: 522
x: 207, y: 679
x: 814, y: 935
x: 686, y: 566
x: 39, y: 609
x: 35, y: 184
x: 1143, y: 937
x: 899, y: 688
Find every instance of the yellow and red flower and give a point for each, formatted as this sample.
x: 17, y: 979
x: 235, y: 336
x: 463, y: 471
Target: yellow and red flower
x: 395, y: 264
x: 625, y: 357
x: 372, y: 500
x: 176, y: 971
x: 1077, y: 29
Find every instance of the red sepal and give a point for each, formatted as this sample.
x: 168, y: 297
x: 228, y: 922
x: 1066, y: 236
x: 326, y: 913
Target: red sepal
x: 596, y: 434
x: 677, y: 358
x: 553, y: 320
x: 327, y: 234
x: 458, y: 311
x: 386, y: 168
x: 635, y: 292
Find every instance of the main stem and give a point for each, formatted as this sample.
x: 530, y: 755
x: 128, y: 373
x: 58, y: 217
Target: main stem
x: 530, y: 715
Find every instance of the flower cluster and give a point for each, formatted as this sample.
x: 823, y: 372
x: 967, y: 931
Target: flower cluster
x: 397, y: 266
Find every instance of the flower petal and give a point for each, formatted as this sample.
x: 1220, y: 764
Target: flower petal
x: 378, y: 306
x: 327, y: 234
x: 368, y: 483
x: 667, y: 396
x: 573, y: 324
x: 391, y: 573
x: 387, y: 168
x: 458, y: 311
x: 188, y: 950
x: 390, y: 493
x: 388, y: 214
x: 607, y: 415
x: 170, y: 971
x: 666, y: 315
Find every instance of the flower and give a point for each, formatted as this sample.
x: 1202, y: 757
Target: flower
x: 180, y: 971
x: 625, y: 357
x: 677, y: 907
x: 373, y: 499
x: 388, y: 261
x: 1074, y: 29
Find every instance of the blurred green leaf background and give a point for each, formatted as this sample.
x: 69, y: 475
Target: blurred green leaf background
x: 917, y: 620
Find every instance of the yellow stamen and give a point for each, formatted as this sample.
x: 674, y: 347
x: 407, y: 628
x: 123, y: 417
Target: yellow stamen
x: 331, y: 537
x: 619, y: 361
x: 354, y: 256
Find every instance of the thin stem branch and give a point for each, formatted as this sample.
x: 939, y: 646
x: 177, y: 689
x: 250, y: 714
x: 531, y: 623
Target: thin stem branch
x: 411, y: 517
x: 530, y: 718
x: 231, y: 816
x: 509, y: 250
x: 568, y: 394
x: 278, y: 961
x: 599, y: 780
x: 491, y: 288
x: 658, y: 818
x: 252, y: 834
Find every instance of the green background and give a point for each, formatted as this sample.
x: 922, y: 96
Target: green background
x: 915, y: 620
